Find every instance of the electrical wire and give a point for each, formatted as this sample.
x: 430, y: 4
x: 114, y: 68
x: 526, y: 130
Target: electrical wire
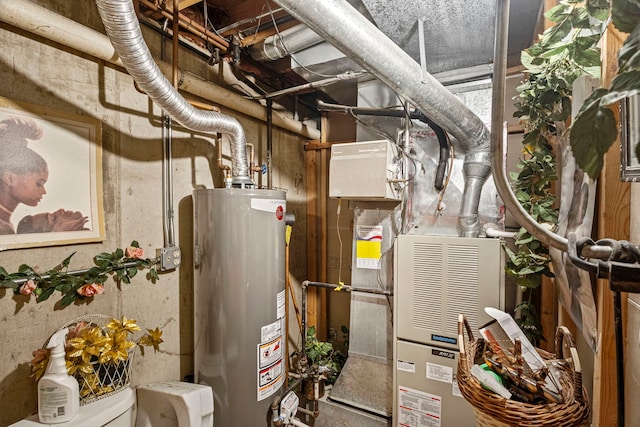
x: 449, y: 172
x: 340, y: 241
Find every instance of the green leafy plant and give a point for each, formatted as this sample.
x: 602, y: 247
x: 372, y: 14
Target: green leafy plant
x: 595, y: 127
x: 323, y: 354
x: 563, y: 53
x: 121, y: 265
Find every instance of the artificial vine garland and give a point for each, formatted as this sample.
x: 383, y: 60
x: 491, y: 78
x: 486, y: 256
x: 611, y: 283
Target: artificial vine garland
x: 120, y: 264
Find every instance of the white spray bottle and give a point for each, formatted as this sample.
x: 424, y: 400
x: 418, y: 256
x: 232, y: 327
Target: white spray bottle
x: 58, y: 392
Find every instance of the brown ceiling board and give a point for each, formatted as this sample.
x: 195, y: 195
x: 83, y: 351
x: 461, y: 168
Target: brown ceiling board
x: 187, y: 3
x: 252, y: 38
x: 187, y: 23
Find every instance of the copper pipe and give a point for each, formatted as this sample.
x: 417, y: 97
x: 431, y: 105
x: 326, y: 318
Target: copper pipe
x: 204, y: 106
x: 176, y: 41
x: 252, y: 165
x: 225, y: 168
x: 191, y: 26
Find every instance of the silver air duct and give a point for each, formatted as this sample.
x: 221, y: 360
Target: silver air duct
x: 344, y: 27
x: 121, y: 23
x: 282, y: 44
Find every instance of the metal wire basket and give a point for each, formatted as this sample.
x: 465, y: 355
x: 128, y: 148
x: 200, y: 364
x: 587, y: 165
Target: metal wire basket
x: 98, y: 380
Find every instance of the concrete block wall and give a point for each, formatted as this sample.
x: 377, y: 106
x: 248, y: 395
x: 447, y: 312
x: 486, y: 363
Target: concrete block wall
x: 39, y: 72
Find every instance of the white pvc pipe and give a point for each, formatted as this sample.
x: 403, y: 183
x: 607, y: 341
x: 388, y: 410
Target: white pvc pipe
x: 59, y: 29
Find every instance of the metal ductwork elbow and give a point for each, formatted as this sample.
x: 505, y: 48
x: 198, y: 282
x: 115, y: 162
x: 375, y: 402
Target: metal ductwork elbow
x: 123, y: 29
x: 349, y: 31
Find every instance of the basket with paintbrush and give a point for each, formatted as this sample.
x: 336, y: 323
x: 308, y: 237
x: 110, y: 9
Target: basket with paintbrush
x: 531, y: 404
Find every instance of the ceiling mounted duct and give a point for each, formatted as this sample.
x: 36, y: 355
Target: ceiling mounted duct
x: 345, y: 28
x: 285, y: 43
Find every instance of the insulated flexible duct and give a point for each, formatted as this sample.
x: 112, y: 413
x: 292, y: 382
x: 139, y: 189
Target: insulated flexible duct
x: 349, y: 31
x: 282, y: 44
x: 121, y: 23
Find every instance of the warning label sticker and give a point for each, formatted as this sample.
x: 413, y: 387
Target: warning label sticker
x: 439, y: 372
x: 271, y: 332
x: 280, y: 304
x: 270, y: 379
x: 270, y: 352
x: 269, y: 360
x: 418, y: 409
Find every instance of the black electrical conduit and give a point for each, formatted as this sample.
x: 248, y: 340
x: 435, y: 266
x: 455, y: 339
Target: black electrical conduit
x: 416, y: 114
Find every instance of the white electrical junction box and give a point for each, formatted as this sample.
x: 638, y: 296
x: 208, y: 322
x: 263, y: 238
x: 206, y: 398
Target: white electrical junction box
x: 367, y: 170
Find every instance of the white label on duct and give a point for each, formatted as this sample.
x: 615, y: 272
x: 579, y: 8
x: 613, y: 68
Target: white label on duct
x: 439, y: 373
x: 368, y: 246
x: 268, y: 205
x: 280, y: 303
x: 418, y: 409
x: 271, y: 332
x: 406, y: 366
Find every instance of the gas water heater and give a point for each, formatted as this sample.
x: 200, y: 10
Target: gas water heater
x: 239, y: 300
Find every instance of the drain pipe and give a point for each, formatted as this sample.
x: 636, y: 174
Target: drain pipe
x: 349, y: 31
x: 121, y: 23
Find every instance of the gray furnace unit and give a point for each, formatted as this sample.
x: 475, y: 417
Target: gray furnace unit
x: 436, y: 279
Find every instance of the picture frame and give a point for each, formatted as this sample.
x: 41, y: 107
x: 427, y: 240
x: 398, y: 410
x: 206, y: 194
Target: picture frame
x: 60, y: 203
x: 629, y: 138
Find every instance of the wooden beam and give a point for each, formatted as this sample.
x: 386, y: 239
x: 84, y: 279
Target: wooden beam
x: 613, y: 222
x: 186, y: 3
x: 312, y: 235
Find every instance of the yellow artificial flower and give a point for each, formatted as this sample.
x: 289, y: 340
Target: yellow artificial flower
x: 78, y: 366
x: 91, y: 343
x: 125, y: 324
x: 119, y: 350
x: 152, y: 338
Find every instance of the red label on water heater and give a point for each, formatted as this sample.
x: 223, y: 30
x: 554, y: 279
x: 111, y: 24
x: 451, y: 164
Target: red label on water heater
x: 279, y: 212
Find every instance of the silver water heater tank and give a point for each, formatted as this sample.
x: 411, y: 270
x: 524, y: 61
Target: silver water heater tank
x: 239, y: 281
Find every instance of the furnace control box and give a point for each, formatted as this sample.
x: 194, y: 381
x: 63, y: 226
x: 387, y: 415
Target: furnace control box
x: 370, y: 170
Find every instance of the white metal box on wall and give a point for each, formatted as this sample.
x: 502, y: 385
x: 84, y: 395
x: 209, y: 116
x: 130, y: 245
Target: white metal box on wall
x: 367, y: 170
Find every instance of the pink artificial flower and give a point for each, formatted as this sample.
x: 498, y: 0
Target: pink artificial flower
x: 39, y: 355
x: 133, y: 252
x: 90, y: 290
x: 28, y: 287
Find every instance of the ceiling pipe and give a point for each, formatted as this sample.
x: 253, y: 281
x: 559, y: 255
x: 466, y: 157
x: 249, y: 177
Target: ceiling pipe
x: 285, y: 43
x: 349, y: 31
x: 49, y: 25
x: 123, y: 29
x: 541, y: 232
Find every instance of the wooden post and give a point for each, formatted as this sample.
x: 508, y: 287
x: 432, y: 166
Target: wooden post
x: 613, y: 222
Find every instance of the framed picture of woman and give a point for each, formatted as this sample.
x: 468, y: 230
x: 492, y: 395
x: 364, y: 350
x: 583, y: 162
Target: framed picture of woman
x: 50, y: 177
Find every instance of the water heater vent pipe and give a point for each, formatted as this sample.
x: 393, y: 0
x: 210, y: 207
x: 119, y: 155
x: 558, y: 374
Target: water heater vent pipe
x: 121, y: 23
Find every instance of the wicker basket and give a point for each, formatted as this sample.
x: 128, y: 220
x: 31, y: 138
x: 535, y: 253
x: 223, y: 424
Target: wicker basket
x: 491, y: 410
x: 106, y: 379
